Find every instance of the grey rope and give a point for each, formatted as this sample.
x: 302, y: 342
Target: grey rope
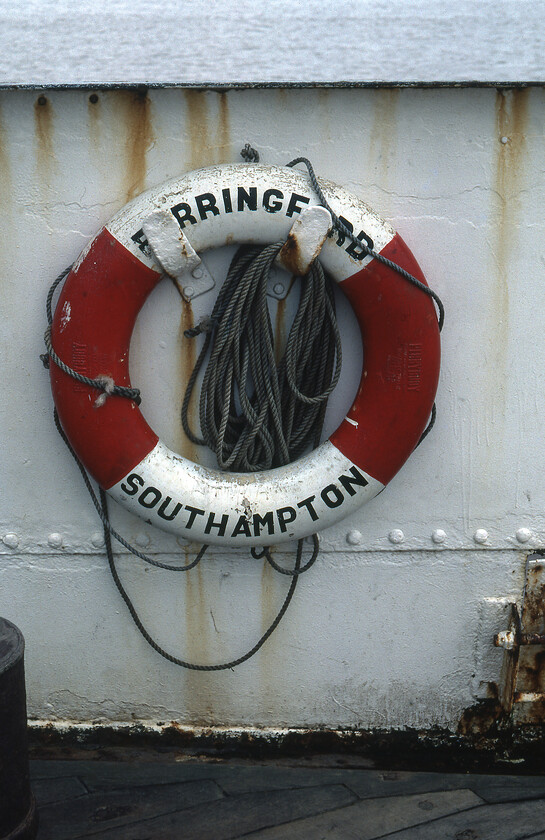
x: 255, y: 413
x: 249, y: 154
x: 174, y: 659
x: 106, y: 521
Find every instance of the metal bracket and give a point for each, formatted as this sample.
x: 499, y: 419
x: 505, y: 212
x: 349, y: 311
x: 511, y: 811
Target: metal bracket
x: 305, y: 240
x: 179, y: 260
x: 524, y: 646
x: 176, y: 255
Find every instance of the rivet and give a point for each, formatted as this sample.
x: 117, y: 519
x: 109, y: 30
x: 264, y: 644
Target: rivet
x: 142, y: 540
x: 97, y: 539
x: 197, y: 273
x: 182, y: 541
x: 55, y: 540
x: 162, y: 345
x: 278, y: 288
x: 480, y: 536
x: 396, y: 536
x: 11, y: 540
x: 354, y: 537
x: 523, y: 535
x: 189, y: 291
x: 504, y: 140
x: 438, y: 536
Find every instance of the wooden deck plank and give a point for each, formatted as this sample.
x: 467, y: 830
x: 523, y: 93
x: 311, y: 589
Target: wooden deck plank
x: 235, y: 816
x: 47, y: 791
x: 121, y: 808
x: 372, y: 818
x: 502, y: 821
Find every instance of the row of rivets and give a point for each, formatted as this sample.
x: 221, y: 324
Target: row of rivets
x: 438, y: 536
x: 353, y: 537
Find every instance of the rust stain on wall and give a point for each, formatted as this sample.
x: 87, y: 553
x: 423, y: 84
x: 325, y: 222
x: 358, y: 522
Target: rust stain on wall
x: 44, y: 133
x: 383, y: 136
x: 196, y: 644
x: 139, y: 138
x: 187, y: 356
x: 223, y: 133
x: 5, y: 168
x: 198, y: 128
x: 511, y: 118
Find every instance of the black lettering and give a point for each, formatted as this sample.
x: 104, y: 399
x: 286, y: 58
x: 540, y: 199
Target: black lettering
x: 309, y: 506
x: 227, y: 203
x: 262, y: 521
x: 357, y: 478
x: 133, y: 480
x: 162, y: 511
x: 141, y: 240
x: 360, y: 253
x: 242, y: 526
x: 206, y: 203
x: 285, y: 516
x: 143, y: 497
x: 193, y: 513
x: 184, y: 217
x: 221, y: 526
x: 341, y: 239
x: 332, y: 490
x: 292, y: 206
x: 351, y: 248
x: 247, y: 198
x: 275, y: 206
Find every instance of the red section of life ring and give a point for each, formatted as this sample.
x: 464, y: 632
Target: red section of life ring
x: 397, y: 351
x: 91, y: 333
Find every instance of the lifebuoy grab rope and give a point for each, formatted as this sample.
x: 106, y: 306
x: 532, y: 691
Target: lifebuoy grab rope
x: 110, y: 282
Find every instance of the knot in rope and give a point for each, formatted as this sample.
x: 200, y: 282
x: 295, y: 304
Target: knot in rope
x: 249, y: 154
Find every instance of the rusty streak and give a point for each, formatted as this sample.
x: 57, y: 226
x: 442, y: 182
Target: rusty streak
x: 138, y: 141
x: 511, y: 127
x: 188, y: 356
x: 5, y: 168
x: 43, y: 125
x: 198, y: 128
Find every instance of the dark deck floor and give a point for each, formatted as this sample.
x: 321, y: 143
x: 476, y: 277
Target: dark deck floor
x: 222, y: 799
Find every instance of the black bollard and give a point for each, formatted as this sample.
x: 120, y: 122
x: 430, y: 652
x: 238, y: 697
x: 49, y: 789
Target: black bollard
x: 18, y: 817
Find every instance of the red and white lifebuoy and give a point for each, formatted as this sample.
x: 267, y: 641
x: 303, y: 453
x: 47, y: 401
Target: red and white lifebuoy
x: 91, y: 332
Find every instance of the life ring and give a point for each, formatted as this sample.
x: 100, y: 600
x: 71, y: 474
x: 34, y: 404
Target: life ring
x: 91, y: 332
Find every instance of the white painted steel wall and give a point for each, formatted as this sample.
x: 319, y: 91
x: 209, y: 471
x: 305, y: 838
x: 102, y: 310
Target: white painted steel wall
x: 384, y: 631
